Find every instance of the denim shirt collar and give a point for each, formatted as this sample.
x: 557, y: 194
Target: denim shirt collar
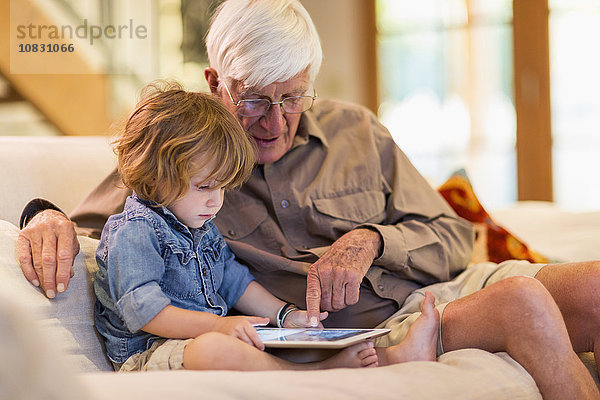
x: 171, y: 219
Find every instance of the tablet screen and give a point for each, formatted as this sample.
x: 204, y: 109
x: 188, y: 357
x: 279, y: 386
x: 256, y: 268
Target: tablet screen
x: 315, y: 337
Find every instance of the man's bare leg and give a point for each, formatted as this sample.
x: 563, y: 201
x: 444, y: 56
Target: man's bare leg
x: 576, y: 289
x: 215, y: 351
x: 420, y: 343
x: 518, y: 315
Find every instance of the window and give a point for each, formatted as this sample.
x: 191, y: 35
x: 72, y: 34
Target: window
x: 446, y: 87
x: 575, y: 77
x: 446, y: 79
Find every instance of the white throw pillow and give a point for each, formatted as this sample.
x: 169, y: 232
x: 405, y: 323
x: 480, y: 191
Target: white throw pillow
x: 67, y: 320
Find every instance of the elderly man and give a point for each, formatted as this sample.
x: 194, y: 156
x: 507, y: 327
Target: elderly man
x: 334, y: 217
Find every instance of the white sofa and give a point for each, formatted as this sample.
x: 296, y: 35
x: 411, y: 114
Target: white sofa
x: 50, y: 348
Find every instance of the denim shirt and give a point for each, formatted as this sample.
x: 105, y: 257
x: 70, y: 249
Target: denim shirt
x: 147, y: 260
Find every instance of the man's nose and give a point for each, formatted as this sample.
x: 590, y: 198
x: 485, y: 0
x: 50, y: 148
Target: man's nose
x: 274, y: 120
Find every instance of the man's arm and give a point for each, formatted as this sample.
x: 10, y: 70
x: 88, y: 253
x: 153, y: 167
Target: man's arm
x: 108, y: 198
x: 421, y: 239
x: 47, y: 244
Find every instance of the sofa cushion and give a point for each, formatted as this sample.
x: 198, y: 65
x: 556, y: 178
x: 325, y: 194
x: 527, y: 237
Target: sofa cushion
x: 67, y: 319
x: 468, y: 374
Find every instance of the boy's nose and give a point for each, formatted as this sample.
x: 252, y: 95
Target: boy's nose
x: 215, y: 199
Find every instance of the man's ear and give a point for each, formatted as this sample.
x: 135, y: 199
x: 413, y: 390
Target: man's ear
x: 212, y: 78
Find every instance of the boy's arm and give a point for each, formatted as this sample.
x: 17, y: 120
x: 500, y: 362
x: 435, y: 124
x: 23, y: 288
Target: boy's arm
x: 257, y: 300
x: 178, y: 323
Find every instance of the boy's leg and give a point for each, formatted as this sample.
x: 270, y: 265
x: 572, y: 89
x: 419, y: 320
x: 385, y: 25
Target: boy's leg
x: 215, y: 351
x: 518, y: 315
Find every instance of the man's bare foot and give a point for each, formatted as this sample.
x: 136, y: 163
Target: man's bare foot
x: 356, y: 356
x: 420, y: 343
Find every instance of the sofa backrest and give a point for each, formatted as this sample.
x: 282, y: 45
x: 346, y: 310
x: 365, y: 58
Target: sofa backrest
x: 60, y: 169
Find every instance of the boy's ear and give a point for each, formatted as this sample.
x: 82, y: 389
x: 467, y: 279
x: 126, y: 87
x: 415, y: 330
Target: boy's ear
x: 212, y: 78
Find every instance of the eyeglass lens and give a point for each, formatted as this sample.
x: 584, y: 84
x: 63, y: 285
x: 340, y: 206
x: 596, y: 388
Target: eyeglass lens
x: 258, y: 107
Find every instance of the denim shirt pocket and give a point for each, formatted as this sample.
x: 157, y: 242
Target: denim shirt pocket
x: 215, y: 249
x: 214, y: 255
x: 180, y: 279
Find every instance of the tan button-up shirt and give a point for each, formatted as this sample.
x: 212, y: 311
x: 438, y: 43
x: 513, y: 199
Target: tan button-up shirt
x: 343, y: 171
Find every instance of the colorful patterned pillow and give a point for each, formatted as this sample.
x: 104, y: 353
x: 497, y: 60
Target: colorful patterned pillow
x: 493, y: 242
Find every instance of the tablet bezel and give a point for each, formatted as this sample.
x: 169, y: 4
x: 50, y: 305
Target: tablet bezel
x: 365, y: 334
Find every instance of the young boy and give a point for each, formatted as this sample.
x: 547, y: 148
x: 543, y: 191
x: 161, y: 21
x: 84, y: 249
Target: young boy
x: 166, y: 277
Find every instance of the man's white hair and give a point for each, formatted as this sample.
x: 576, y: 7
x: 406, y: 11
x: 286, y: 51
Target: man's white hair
x: 260, y: 42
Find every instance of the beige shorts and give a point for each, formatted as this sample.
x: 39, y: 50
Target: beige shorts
x: 474, y: 278
x: 163, y: 354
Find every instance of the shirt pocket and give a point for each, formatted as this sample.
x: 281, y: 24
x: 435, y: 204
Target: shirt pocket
x: 180, y: 279
x: 215, y: 250
x: 360, y: 207
x: 213, y: 253
x: 246, y: 218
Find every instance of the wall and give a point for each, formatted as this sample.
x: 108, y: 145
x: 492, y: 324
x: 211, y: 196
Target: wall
x: 347, y: 31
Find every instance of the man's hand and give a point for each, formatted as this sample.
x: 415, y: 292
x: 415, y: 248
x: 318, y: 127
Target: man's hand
x: 333, y: 282
x: 299, y: 319
x: 46, y: 248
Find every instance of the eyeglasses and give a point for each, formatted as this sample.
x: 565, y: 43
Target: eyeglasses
x: 259, y: 107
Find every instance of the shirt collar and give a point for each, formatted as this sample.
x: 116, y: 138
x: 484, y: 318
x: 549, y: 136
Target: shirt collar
x: 170, y: 218
x: 308, y: 127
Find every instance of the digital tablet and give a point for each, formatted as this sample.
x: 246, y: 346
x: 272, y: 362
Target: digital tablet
x: 316, y: 337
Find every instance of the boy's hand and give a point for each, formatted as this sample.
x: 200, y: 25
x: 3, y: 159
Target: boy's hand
x: 299, y: 319
x: 242, y: 327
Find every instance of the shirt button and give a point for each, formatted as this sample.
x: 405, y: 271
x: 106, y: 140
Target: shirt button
x: 284, y: 203
x: 380, y: 287
x: 204, y: 271
x: 231, y: 232
x: 305, y: 247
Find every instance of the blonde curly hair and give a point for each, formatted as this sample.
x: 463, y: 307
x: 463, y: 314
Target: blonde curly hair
x: 169, y: 131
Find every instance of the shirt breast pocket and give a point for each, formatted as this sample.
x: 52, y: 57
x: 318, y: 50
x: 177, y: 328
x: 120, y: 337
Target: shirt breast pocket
x: 181, y: 272
x: 215, y: 250
x: 238, y: 220
x: 213, y: 253
x: 341, y: 213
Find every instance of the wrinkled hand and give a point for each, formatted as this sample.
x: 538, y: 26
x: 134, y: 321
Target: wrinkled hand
x: 46, y: 248
x: 333, y: 282
x: 299, y: 319
x: 241, y: 327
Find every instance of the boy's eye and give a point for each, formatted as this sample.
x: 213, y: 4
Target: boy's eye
x: 203, y: 187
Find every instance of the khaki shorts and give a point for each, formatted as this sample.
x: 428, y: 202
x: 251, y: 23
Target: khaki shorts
x: 163, y: 354
x: 474, y: 278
